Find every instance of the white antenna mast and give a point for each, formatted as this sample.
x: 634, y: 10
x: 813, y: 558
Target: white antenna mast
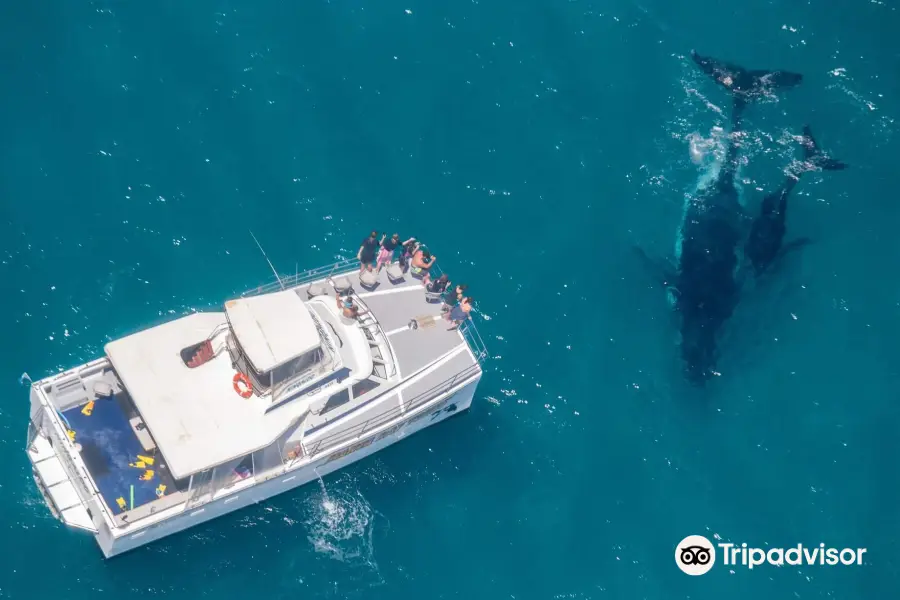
x: 267, y: 259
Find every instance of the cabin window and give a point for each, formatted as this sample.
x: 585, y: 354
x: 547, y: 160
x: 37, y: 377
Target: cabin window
x: 342, y: 397
x: 379, y: 370
x: 226, y: 475
x: 363, y: 387
x: 294, y: 367
x: 259, y: 380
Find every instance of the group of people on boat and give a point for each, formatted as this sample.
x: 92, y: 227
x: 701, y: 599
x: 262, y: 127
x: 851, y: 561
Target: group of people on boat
x: 375, y: 253
x: 415, y: 258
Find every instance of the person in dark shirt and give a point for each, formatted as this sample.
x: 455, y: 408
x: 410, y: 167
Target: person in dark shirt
x: 455, y: 298
x: 367, y: 250
x: 386, y: 255
x: 459, y: 313
x: 439, y: 285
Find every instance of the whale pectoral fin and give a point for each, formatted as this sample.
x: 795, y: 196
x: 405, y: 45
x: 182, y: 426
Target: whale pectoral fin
x: 814, y: 155
x: 661, y: 269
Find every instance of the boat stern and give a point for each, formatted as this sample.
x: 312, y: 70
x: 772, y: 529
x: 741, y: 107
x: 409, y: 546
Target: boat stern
x: 64, y: 489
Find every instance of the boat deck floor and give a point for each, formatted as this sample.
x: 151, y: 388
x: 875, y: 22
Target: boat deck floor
x: 129, y: 473
x: 416, y: 349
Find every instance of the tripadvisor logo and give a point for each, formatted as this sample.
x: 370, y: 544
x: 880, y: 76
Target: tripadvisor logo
x: 696, y: 555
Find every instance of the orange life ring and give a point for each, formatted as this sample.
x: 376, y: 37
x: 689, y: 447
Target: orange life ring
x: 241, y: 378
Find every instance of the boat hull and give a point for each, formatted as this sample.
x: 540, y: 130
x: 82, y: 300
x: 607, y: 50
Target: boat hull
x: 114, y: 542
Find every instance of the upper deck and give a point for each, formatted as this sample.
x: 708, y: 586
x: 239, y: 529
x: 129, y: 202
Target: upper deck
x: 424, y: 355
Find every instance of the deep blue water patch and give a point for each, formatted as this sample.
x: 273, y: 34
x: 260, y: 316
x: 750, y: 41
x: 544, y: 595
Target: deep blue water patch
x: 530, y: 145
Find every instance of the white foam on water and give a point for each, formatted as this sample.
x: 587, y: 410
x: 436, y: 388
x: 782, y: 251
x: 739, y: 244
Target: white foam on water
x: 341, y: 525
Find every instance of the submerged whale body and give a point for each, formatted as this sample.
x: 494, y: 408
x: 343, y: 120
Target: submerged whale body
x: 765, y: 242
x: 704, y: 287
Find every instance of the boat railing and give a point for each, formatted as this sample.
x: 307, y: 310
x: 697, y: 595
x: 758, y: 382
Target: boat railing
x: 368, y: 321
x: 343, y: 267
x: 302, y: 277
x: 359, y: 430
x: 468, y: 329
x: 74, y: 468
x: 473, y: 338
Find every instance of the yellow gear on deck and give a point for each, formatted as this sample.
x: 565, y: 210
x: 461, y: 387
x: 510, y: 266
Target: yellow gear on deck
x: 88, y: 409
x: 71, y: 434
x: 160, y: 490
x: 121, y: 503
x: 147, y: 476
x: 142, y: 462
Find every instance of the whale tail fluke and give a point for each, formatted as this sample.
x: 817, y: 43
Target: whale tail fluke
x: 744, y: 84
x: 813, y: 156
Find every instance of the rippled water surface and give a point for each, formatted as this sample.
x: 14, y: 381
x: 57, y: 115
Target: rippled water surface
x: 531, y: 145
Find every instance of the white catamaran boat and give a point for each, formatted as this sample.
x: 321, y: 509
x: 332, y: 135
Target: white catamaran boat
x: 206, y: 414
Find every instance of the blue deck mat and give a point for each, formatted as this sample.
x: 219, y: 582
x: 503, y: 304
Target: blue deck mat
x: 108, y: 445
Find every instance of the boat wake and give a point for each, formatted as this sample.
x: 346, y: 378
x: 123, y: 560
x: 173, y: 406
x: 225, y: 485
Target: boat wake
x: 341, y: 525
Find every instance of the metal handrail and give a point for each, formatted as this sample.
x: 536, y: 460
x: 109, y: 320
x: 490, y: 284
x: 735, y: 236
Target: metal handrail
x: 67, y: 456
x: 379, y: 329
x: 357, y: 431
x: 473, y: 338
x: 468, y: 330
x: 74, y: 466
x: 318, y: 274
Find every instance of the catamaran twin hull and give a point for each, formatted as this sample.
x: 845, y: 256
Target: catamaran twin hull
x: 131, y: 461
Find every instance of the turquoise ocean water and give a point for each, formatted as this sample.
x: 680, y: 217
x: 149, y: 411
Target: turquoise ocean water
x: 531, y: 144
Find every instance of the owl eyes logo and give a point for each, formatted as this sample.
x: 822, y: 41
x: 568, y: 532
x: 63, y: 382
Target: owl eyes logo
x: 695, y: 555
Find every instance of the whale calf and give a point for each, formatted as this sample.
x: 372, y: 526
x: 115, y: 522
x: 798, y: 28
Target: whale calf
x: 764, y: 244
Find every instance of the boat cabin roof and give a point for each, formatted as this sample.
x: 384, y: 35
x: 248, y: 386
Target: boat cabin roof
x: 194, y: 415
x: 273, y: 328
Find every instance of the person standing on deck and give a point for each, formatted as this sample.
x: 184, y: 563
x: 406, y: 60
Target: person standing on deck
x: 407, y: 250
x: 367, y: 250
x: 459, y: 313
x: 386, y: 255
x: 422, y: 261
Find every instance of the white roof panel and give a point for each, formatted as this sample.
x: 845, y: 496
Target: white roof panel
x: 272, y: 328
x: 189, y: 412
x: 194, y: 415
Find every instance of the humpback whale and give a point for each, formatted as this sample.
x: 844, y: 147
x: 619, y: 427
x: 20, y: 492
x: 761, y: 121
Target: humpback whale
x: 702, y: 285
x: 764, y: 244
